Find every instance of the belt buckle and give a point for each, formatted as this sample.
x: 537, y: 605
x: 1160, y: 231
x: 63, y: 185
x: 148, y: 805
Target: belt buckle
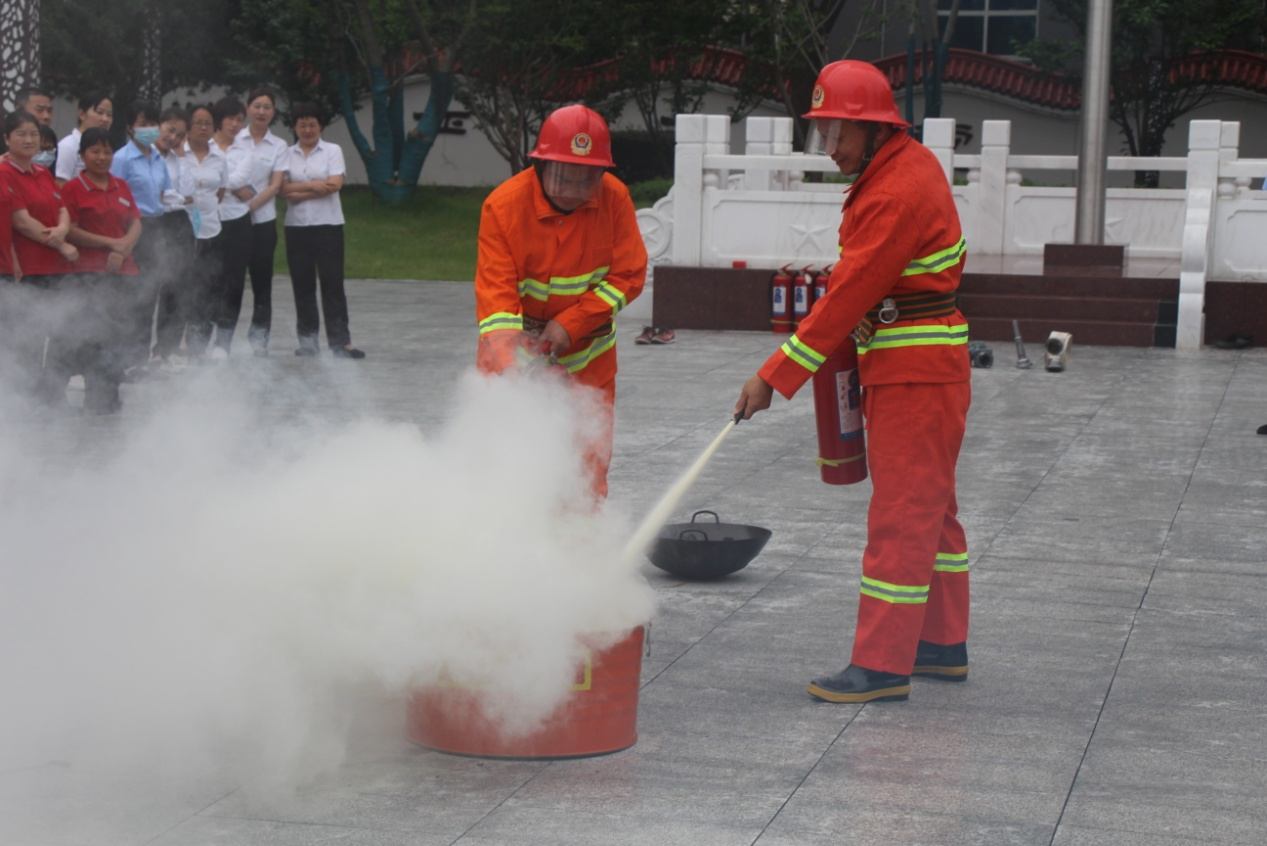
x: 888, y: 311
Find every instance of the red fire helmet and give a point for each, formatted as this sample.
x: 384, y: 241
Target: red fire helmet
x: 575, y: 134
x: 853, y: 90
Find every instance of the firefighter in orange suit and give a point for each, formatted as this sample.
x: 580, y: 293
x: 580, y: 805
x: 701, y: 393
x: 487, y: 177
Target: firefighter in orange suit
x: 560, y: 255
x: 902, y: 253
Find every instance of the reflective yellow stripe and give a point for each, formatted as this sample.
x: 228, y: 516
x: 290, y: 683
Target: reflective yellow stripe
x: 580, y: 360
x: 803, y: 354
x: 561, y: 286
x: 502, y: 320
x: 610, y: 294
x: 916, y: 336
x: 951, y: 562
x: 938, y: 262
x: 898, y: 594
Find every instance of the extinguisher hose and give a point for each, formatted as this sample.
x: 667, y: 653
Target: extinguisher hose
x: 650, y: 527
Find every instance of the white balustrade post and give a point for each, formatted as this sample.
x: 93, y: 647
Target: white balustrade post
x: 1229, y: 151
x: 939, y: 137
x: 716, y: 142
x: 1204, y: 145
x: 759, y: 132
x: 688, y: 188
x: 991, y: 216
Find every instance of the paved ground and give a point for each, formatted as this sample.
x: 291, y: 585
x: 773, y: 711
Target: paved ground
x: 1117, y: 520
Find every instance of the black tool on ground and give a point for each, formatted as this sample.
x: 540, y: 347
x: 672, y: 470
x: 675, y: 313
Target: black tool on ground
x: 980, y: 354
x: 1022, y: 360
x: 704, y: 550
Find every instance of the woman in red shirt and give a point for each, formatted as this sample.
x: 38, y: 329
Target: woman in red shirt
x: 105, y: 225
x: 40, y: 225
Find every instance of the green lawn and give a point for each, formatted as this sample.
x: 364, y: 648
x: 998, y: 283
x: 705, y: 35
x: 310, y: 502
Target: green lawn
x: 433, y: 236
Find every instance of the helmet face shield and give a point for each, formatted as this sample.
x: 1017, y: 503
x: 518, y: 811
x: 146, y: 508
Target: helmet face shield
x: 570, y: 185
x: 823, y: 137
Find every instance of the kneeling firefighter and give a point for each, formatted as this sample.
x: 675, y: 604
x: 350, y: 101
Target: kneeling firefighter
x: 902, y: 253
x: 560, y: 255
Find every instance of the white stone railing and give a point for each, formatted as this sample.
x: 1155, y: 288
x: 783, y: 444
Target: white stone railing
x: 757, y: 207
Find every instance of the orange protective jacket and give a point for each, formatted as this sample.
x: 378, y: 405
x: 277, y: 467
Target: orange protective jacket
x: 900, y: 235
x: 536, y: 265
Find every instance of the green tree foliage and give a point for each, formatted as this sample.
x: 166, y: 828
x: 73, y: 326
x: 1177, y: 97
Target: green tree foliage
x: 1151, y: 85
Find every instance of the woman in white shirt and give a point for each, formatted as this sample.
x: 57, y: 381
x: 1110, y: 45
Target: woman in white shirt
x: 208, y: 174
x: 263, y: 148
x: 178, y: 239
x: 235, y: 219
x: 95, y: 109
x: 312, y: 175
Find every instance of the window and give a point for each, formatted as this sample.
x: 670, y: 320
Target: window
x: 991, y: 26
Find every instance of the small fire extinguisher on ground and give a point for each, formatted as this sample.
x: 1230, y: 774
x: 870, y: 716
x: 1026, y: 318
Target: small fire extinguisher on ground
x: 820, y: 282
x: 842, y: 450
x: 781, y: 300
x: 802, y: 295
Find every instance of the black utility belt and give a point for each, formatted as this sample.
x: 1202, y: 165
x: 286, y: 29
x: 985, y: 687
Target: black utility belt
x: 905, y: 307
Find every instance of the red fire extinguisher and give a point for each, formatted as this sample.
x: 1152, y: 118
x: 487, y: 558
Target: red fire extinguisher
x: 781, y: 301
x: 820, y: 282
x: 842, y: 450
x: 802, y: 294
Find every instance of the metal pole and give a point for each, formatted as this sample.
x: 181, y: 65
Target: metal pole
x: 1089, y: 227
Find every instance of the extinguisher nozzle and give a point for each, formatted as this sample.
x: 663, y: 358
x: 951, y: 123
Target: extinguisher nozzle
x: 738, y: 417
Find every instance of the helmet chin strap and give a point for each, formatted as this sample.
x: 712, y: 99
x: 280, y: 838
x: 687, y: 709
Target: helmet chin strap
x: 868, y: 152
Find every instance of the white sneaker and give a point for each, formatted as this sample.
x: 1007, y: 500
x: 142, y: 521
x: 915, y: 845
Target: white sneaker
x: 76, y: 383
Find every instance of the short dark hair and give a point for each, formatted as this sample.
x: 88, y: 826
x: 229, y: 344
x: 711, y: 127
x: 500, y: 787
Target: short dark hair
x: 93, y: 137
x: 174, y: 113
x: 306, y: 109
x: 139, y: 109
x: 47, y: 135
x: 92, y: 100
x: 19, y: 118
x: 201, y: 107
x: 226, y: 107
x: 25, y: 94
x: 262, y: 91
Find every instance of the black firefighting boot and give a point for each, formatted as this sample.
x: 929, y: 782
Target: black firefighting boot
x: 947, y: 663
x: 858, y: 684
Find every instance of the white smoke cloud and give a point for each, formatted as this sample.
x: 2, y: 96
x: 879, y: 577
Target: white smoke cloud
x: 214, y: 596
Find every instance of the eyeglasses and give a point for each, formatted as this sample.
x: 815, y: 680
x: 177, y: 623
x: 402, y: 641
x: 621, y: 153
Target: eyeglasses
x: 203, y: 124
x: 17, y: 133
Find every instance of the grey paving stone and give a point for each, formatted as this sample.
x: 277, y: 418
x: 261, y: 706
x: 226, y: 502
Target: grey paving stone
x: 1117, y: 528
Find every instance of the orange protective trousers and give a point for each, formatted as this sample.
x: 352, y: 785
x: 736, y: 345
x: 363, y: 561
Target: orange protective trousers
x: 914, y: 432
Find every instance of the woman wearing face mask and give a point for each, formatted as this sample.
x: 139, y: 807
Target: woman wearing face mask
x: 312, y: 175
x: 235, y: 220
x: 105, y: 225
x: 47, y: 156
x: 145, y: 172
x: 40, y: 225
x: 264, y: 148
x: 95, y: 109
x: 208, y: 174
x: 177, y: 236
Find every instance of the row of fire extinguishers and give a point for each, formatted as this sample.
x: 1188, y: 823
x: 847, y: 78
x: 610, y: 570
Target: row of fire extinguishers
x: 842, y: 449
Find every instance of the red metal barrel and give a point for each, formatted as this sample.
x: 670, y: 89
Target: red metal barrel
x: 599, y: 715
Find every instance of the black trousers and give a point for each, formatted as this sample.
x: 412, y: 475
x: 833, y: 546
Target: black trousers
x: 202, y: 305
x: 235, y: 254
x: 29, y: 312
x: 314, y: 252
x: 97, y: 317
x: 263, y: 247
x: 176, y: 286
x: 154, y: 261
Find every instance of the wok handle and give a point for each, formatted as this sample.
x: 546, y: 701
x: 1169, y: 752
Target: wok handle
x: 716, y: 519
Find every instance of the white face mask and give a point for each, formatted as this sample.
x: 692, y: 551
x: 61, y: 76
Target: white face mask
x: 45, y: 157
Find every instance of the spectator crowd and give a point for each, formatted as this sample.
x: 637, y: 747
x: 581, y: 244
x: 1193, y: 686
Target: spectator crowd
x: 118, y: 265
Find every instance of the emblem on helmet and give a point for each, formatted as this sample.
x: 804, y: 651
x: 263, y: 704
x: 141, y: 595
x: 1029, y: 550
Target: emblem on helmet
x: 581, y: 144
x: 816, y: 101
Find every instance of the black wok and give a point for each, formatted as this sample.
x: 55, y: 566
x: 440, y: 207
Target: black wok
x: 706, y: 550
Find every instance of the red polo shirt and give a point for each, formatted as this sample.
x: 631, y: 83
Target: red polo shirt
x: 108, y: 212
x: 6, y: 230
x: 35, y: 191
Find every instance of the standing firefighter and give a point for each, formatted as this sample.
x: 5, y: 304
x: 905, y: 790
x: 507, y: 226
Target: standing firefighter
x: 560, y: 255
x: 901, y: 257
